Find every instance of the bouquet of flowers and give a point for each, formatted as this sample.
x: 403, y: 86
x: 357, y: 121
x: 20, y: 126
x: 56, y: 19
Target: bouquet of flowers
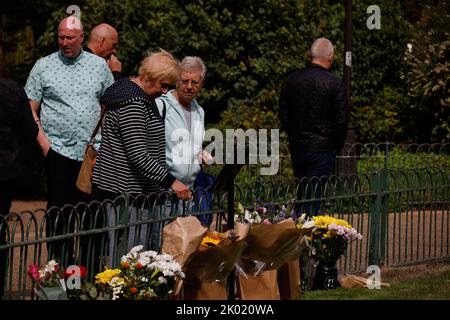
x: 141, y: 275
x: 267, y: 213
x: 273, y: 243
x: 48, y: 281
x: 52, y: 282
x: 330, y: 237
x: 207, y: 256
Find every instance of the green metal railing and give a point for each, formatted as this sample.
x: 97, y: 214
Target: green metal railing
x: 402, y: 212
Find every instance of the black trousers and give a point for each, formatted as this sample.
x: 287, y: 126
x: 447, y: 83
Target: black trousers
x: 62, y: 174
x: 316, y: 167
x: 6, y: 191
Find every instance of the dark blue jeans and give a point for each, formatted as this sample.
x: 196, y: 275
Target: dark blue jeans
x: 313, y: 170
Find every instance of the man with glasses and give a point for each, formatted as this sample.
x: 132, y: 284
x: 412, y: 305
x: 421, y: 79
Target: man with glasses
x: 103, y: 41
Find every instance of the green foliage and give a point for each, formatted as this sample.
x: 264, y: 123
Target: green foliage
x: 380, y: 121
x: 377, y: 53
x: 427, y: 74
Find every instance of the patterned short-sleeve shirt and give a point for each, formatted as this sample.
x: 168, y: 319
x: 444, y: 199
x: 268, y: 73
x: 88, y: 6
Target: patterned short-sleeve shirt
x: 69, y: 91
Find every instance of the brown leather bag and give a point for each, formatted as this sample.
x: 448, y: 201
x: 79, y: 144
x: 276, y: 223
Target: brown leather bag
x: 84, y: 180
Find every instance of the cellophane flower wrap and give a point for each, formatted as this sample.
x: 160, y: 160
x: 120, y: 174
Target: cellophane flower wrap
x: 48, y: 282
x: 216, y: 256
x: 273, y: 238
x: 141, y: 275
x: 330, y: 237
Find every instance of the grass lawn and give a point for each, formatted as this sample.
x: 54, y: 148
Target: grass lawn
x: 424, y: 282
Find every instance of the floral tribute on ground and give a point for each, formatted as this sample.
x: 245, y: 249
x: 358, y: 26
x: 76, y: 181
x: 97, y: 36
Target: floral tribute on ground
x: 329, y: 240
x: 141, y: 275
x: 330, y: 237
x: 52, y: 282
x: 273, y: 243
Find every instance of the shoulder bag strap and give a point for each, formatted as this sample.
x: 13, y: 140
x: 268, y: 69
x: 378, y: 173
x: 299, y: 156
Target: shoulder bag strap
x: 97, y: 127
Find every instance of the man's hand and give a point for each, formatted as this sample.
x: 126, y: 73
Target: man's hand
x: 114, y: 63
x: 41, y: 138
x: 182, y: 191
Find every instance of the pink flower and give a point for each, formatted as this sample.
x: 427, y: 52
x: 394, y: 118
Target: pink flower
x: 33, y: 272
x: 266, y: 221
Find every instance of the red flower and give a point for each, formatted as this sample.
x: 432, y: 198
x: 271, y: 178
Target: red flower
x: 138, y: 265
x: 133, y: 290
x: 71, y: 272
x: 124, y: 264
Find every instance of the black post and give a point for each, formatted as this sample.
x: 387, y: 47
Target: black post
x: 230, y: 226
x: 347, y: 165
x: 348, y: 50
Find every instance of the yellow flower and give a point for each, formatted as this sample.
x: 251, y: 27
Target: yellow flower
x: 210, y: 242
x: 212, y: 239
x: 323, y: 222
x: 106, y: 276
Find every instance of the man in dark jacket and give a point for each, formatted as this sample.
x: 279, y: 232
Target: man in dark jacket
x: 314, y: 111
x: 16, y: 121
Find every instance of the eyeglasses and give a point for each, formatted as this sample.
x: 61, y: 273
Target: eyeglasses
x: 194, y: 83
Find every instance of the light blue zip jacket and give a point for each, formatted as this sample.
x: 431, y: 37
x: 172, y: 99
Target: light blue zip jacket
x: 182, y: 146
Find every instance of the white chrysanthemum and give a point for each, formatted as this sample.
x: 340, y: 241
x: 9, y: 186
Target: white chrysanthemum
x: 162, y: 280
x: 136, y: 249
x: 144, y: 261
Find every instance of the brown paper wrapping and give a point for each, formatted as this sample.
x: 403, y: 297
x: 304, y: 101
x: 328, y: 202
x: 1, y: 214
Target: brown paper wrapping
x: 208, y: 270
x: 206, y: 291
x: 289, y: 280
x: 270, y: 246
x: 181, y: 239
x: 352, y: 281
x: 264, y: 286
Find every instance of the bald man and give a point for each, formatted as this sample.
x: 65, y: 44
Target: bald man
x: 103, y: 41
x: 314, y: 112
x: 64, y: 99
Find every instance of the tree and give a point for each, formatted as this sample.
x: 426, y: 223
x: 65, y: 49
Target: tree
x: 427, y: 74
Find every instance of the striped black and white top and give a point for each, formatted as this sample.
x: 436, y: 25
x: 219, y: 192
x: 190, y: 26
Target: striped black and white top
x: 132, y: 152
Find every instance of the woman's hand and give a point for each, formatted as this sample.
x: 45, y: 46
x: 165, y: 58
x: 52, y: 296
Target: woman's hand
x: 182, y: 191
x: 205, y: 157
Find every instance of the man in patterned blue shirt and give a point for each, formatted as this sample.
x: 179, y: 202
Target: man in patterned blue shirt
x: 64, y: 88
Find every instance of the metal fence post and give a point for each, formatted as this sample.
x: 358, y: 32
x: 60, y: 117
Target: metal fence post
x: 384, y: 207
x: 374, y: 220
x: 122, y: 234
x: 230, y: 226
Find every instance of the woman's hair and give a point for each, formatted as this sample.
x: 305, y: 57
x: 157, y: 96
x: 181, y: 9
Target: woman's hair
x: 190, y: 63
x: 159, y: 64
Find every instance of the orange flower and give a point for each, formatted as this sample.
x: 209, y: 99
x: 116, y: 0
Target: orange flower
x: 133, y: 290
x: 124, y: 264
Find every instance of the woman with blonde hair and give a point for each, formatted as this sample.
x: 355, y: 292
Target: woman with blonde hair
x: 132, y: 158
x: 132, y: 153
